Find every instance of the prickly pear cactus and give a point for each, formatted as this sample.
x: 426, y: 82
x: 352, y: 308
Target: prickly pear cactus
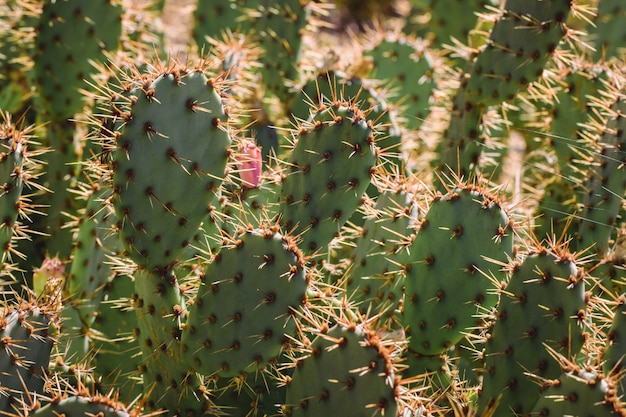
x: 542, y: 310
x: 521, y: 42
x: 580, y: 392
x: 603, y: 190
x: 72, y: 34
x: 165, y: 177
x: 347, y: 369
x: 26, y: 347
x: 376, y: 278
x: 83, y: 406
x: 330, y: 167
x: 18, y: 169
x: 614, y: 355
x: 407, y: 71
x: 456, y: 268
x: 243, y: 315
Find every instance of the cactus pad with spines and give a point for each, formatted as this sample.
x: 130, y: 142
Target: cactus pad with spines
x: 25, y: 354
x: 605, y: 184
x: 542, y: 308
x: 72, y: 35
x: 521, y: 42
x: 582, y: 393
x: 330, y: 168
x: 614, y: 358
x: 77, y: 405
x: 376, y: 279
x: 170, y: 159
x: 456, y: 267
x: 406, y: 71
x: 347, y: 371
x: 17, y: 170
x: 213, y: 18
x: 243, y: 314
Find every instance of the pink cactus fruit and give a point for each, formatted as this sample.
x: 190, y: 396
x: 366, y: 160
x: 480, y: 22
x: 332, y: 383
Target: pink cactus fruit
x: 249, y: 164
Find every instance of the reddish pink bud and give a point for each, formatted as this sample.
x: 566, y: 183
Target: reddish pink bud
x: 249, y: 164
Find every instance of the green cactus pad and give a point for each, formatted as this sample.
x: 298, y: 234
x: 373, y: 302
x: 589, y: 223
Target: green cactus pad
x: 95, y: 243
x: 456, y: 268
x: 376, y: 279
x: 71, y: 36
x: 328, y: 172
x: 407, y: 72
x: 558, y: 200
x: 16, y: 171
x: 257, y: 394
x: 454, y: 19
x: 541, y: 308
x: 581, y: 393
x: 170, y: 160
x: 212, y: 18
x: 614, y: 357
x: 462, y: 145
x: 243, y: 314
x: 521, y: 42
x: 117, y: 364
x: 25, y: 354
x: 572, y: 105
x: 604, y: 188
x: 609, y: 32
x: 330, y: 87
x: 168, y: 383
x: 347, y: 372
x: 280, y: 29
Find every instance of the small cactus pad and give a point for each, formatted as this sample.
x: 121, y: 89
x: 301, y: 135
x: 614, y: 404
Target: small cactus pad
x: 83, y: 406
x: 614, y: 357
x: 407, y: 72
x: 603, y: 191
x: 347, y: 372
x: 16, y: 171
x: 243, y: 312
x: 376, y: 279
x: 213, y: 18
x: 25, y: 354
x: 328, y: 172
x: 581, y: 393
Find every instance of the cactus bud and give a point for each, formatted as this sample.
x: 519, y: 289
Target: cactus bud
x: 250, y: 163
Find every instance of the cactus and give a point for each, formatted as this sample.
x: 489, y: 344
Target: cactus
x: 242, y: 316
x: 542, y: 307
x: 502, y: 69
x: 150, y: 144
x: 19, y: 170
x: 80, y: 405
x: 295, y: 218
x: 27, y: 344
x: 563, y: 396
x: 382, y: 252
x: 359, y: 379
x: 603, y: 191
x: 314, y: 184
x: 456, y: 267
x: 407, y: 70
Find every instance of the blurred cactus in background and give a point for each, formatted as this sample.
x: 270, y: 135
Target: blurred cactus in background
x: 264, y: 208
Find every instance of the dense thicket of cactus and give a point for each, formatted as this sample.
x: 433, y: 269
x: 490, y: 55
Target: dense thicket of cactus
x: 416, y: 213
